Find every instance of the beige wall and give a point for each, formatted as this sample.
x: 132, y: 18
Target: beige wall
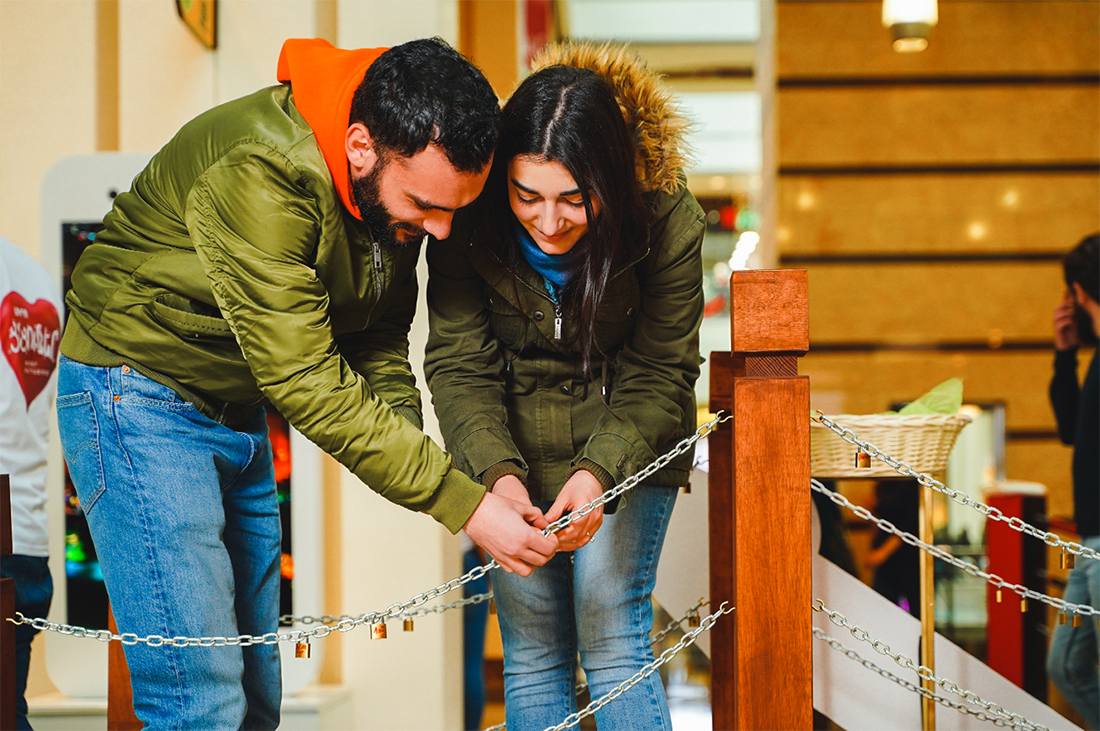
x: 930, y: 196
x: 54, y: 104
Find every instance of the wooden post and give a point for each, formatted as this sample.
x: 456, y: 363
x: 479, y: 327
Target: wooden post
x: 760, y: 553
x: 120, y: 694
x: 7, y: 611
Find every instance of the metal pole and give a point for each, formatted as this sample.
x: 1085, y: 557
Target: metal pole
x: 927, y: 607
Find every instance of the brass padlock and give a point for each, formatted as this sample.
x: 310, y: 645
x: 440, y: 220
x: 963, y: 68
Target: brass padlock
x: 863, y: 460
x: 1063, y: 618
x: 1023, y: 605
x: 1076, y: 620
x: 693, y: 618
x: 301, y: 649
x: 408, y: 625
x: 1071, y: 560
x: 998, y: 596
x: 378, y: 631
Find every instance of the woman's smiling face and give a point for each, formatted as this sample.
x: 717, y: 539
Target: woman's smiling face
x: 546, y: 200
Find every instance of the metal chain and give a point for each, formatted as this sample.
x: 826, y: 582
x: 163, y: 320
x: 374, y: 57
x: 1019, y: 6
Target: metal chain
x: 693, y: 611
x: 1023, y: 591
x: 575, y: 718
x: 1051, y: 539
x: 346, y: 623
x: 923, y: 692
x: 924, y: 672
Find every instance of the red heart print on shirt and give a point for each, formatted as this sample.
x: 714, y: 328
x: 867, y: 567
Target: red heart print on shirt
x: 29, y: 335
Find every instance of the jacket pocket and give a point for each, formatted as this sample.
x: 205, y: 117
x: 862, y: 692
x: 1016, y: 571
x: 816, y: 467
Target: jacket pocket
x: 79, y: 427
x: 615, y: 319
x: 507, y: 323
x: 182, y: 317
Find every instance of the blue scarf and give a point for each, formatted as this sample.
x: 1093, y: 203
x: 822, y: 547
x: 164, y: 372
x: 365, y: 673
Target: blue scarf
x: 556, y: 270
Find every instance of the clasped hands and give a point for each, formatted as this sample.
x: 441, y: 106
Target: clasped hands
x: 509, y: 527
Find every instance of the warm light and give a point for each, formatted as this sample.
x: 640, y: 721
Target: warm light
x: 1010, y: 198
x: 911, y: 21
x: 806, y: 200
x: 717, y: 182
x: 977, y: 231
x: 746, y: 244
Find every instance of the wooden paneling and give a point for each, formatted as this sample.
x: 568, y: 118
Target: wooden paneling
x: 1047, y: 462
x: 487, y: 34
x: 989, y: 212
x: 938, y: 125
x: 867, y: 383
x: 921, y: 303
x: 972, y: 38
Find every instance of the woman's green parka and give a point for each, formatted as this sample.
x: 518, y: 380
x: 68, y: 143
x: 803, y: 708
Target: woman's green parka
x: 510, y: 398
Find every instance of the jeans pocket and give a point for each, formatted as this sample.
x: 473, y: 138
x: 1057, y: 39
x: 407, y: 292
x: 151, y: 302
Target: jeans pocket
x: 139, y: 388
x: 79, y: 428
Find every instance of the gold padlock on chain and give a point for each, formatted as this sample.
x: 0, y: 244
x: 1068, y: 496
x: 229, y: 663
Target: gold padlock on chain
x: 408, y: 624
x: 301, y: 649
x: 863, y: 460
x: 378, y: 631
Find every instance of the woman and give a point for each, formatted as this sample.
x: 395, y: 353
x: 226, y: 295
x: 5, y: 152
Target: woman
x: 562, y: 359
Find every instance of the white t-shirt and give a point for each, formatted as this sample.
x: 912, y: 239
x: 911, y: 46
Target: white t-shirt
x: 30, y: 333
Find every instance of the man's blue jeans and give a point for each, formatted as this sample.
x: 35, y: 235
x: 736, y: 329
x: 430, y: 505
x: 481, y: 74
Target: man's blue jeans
x: 1074, y: 653
x: 595, y: 600
x: 185, y: 520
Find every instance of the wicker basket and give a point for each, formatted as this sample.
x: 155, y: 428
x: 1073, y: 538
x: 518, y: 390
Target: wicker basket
x: 922, y: 442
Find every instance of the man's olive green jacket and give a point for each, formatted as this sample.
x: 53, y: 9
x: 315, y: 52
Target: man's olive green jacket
x: 232, y: 272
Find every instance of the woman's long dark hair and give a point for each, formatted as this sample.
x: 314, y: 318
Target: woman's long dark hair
x: 570, y: 116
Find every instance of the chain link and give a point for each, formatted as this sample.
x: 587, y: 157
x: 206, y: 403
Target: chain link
x: 346, y: 623
x: 575, y: 718
x: 923, y: 672
x: 1023, y: 591
x: 923, y: 692
x: 1051, y: 539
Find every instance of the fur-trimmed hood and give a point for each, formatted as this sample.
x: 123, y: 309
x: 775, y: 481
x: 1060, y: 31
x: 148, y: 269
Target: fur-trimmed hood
x: 659, y: 127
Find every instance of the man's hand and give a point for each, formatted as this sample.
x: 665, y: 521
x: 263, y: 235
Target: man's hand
x: 1065, y: 323
x: 511, y: 532
x: 580, y: 489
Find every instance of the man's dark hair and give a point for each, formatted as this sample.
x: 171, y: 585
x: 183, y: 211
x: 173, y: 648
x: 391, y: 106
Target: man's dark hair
x: 1082, y: 265
x: 424, y: 92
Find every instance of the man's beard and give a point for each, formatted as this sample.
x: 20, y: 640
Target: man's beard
x: 377, y: 218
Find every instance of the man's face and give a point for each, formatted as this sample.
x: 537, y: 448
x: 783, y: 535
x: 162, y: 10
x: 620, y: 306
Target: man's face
x: 403, y: 198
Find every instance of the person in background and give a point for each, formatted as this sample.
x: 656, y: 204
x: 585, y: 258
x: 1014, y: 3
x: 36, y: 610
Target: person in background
x: 1074, y: 655
x: 30, y: 332
x: 562, y: 356
x: 896, y: 564
x: 267, y: 255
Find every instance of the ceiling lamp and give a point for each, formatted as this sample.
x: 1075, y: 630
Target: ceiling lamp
x: 911, y: 21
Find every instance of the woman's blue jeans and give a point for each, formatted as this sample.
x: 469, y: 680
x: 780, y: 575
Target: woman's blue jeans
x: 595, y: 601
x: 184, y: 517
x: 1074, y: 654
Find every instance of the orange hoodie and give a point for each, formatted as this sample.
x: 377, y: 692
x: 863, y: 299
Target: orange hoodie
x: 324, y: 79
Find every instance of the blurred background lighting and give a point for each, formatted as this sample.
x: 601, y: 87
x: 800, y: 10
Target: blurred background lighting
x: 911, y: 22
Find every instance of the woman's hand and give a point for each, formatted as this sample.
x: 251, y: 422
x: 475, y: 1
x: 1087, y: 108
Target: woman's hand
x: 509, y: 486
x: 580, y: 489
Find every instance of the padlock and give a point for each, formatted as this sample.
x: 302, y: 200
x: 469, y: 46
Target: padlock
x: 1023, y: 605
x: 301, y: 649
x: 1076, y: 622
x: 378, y: 631
x: 863, y: 460
x: 1071, y: 560
x: 693, y: 618
x: 1063, y: 618
x: 998, y: 596
x: 408, y: 624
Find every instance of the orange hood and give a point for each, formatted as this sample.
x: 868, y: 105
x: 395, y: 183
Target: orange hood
x: 324, y: 79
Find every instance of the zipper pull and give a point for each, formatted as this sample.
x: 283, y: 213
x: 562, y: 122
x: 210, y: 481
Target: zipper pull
x: 377, y: 263
x: 557, y: 321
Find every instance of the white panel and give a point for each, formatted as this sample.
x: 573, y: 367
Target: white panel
x: 665, y: 21
x: 726, y: 136
x: 374, y: 23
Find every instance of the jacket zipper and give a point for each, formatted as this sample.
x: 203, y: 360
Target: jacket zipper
x: 557, y: 320
x: 378, y: 266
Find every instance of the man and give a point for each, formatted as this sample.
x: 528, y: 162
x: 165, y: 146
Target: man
x: 29, y: 333
x: 267, y: 254
x: 1074, y: 655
